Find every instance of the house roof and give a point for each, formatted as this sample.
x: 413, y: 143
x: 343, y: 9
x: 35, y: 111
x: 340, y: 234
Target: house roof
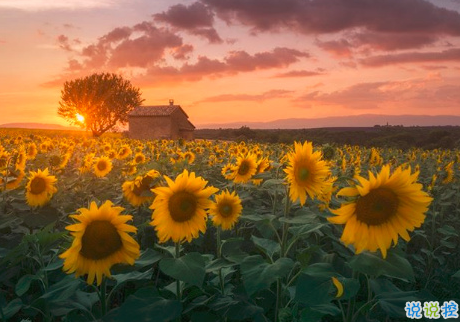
x: 163, y: 110
x: 158, y: 110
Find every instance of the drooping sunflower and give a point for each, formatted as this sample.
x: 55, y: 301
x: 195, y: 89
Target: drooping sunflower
x: 189, y: 157
x: 245, y: 168
x: 226, y: 210
x: 180, y: 209
x: 138, y: 191
x: 101, y: 240
x: 306, y: 172
x: 383, y: 207
x: 40, y: 188
x: 102, y: 166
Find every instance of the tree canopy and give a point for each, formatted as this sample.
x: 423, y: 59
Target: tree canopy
x: 98, y: 102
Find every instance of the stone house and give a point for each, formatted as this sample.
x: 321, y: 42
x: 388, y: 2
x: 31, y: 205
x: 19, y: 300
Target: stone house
x: 160, y: 122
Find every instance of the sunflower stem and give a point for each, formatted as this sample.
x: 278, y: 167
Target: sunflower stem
x: 103, y: 296
x: 178, y: 290
x: 219, y: 256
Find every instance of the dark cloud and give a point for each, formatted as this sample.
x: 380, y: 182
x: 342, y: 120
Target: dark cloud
x: 144, y: 50
x: 338, y: 48
x: 452, y: 54
x: 182, y: 52
x: 139, y: 46
x: 234, y: 63
x: 272, y: 94
x: 300, y: 73
x: 395, y: 24
x: 63, y: 43
x: 196, y: 19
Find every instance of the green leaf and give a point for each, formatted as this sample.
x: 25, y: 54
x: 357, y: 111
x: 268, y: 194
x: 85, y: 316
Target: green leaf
x: 132, y: 276
x: 350, y: 287
x: 148, y: 257
x: 63, y: 289
x: 306, y: 230
x: 146, y: 305
x: 313, y: 290
x: 12, y: 308
x: 301, y: 216
x: 457, y: 275
x: 217, y: 264
x: 189, y: 268
x: 258, y: 218
x: 258, y: 274
x: 395, y: 265
x: 44, y: 216
x: 54, y: 265
x: 23, y: 285
x: 267, y: 246
x: 393, y: 303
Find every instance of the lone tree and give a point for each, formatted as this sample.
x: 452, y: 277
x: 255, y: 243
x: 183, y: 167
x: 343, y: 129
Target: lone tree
x: 98, y: 102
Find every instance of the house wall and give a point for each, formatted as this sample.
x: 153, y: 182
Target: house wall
x: 150, y: 127
x: 179, y: 118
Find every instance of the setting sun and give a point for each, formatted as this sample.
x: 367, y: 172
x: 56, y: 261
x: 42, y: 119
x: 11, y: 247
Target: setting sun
x: 80, y: 118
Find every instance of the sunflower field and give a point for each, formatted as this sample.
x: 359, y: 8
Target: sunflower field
x: 114, y: 229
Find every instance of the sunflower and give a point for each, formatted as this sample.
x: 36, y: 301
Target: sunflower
x: 226, y: 210
x: 180, y: 209
x: 102, y: 166
x: 189, y: 157
x: 139, y: 158
x: 245, y: 168
x: 40, y: 188
x: 384, y: 207
x: 124, y: 152
x: 101, y: 240
x: 139, y: 191
x: 306, y: 172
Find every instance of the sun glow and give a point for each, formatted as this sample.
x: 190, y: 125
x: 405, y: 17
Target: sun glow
x: 80, y: 118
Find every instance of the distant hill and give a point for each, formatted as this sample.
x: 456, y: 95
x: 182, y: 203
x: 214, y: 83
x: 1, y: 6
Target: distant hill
x: 40, y: 126
x: 365, y: 120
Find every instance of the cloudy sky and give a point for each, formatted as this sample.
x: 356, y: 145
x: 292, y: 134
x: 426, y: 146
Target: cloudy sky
x: 236, y: 60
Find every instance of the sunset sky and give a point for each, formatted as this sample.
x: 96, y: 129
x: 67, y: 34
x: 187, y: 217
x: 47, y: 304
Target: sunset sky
x: 236, y: 60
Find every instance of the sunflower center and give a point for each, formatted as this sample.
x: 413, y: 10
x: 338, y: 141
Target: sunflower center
x: 139, y: 159
x: 101, y: 165
x: 37, y: 185
x: 182, y: 206
x: 225, y: 210
x: 377, y: 207
x: 243, y: 168
x: 100, y: 240
x: 303, y: 174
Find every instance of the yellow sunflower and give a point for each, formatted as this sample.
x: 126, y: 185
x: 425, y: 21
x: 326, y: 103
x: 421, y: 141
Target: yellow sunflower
x: 139, y: 158
x: 102, y: 166
x: 124, y: 152
x: 138, y: 191
x: 180, y: 209
x: 226, y: 210
x: 189, y: 157
x: 306, y: 173
x: 383, y: 207
x: 101, y: 240
x: 40, y: 188
x: 245, y: 168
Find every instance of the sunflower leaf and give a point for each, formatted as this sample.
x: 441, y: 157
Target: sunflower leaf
x: 259, y: 275
x: 189, y: 268
x: 395, y: 265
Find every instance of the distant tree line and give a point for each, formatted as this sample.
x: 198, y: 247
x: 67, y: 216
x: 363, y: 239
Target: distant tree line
x: 397, y: 136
